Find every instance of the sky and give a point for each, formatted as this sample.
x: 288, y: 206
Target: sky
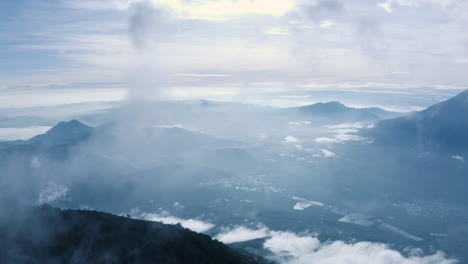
x: 233, y: 49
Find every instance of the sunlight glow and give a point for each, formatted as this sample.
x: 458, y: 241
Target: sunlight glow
x: 228, y: 9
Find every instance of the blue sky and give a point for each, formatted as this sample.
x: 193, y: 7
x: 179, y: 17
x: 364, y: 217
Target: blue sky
x: 190, y: 48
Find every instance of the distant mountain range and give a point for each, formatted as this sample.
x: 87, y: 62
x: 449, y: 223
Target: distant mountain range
x: 57, y: 141
x: 47, y: 235
x: 119, y: 165
x: 185, y: 112
x: 444, y: 125
x: 336, y: 111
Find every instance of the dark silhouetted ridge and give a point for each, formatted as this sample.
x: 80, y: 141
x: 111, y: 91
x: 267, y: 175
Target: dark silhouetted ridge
x: 47, y: 235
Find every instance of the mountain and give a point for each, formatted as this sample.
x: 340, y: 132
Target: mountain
x: 381, y: 113
x: 55, y: 143
x: 341, y: 113
x: 323, y: 108
x: 64, y: 133
x: 47, y: 235
x: 420, y: 156
x: 444, y: 125
x: 162, y: 139
x: 74, y: 132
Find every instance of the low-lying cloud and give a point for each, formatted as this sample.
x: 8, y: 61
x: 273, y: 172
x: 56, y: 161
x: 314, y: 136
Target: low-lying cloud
x: 293, y: 248
x: 305, y: 249
x: 165, y: 218
x: 52, y: 192
x: 344, y: 133
x: 241, y: 234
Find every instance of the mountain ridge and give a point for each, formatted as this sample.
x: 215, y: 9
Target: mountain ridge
x: 441, y: 125
x: 64, y: 132
x: 335, y: 109
x: 48, y: 235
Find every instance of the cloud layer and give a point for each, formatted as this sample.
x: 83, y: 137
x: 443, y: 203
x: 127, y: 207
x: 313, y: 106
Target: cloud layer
x: 305, y: 249
x: 164, y: 217
x: 291, y: 43
x: 293, y: 248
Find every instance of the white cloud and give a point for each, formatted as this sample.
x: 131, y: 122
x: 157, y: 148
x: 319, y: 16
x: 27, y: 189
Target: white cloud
x: 345, y: 137
x: 98, y: 5
x: 328, y: 154
x: 165, y: 218
x: 103, y: 53
x: 52, y: 192
x: 460, y: 158
x: 326, y: 140
x: 226, y: 9
x: 306, y: 249
x: 291, y: 139
x: 241, y: 234
x: 343, y: 133
x: 299, y: 123
x: 388, y: 5
x: 293, y: 248
x: 291, y: 244
x: 96, y: 44
x: 451, y: 7
x: 346, y: 126
x: 326, y: 24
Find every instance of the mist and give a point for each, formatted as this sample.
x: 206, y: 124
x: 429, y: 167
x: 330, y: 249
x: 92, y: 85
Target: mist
x: 316, y: 179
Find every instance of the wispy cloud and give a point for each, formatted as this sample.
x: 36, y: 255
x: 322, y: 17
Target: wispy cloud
x: 291, y: 139
x: 201, y: 75
x: 241, y: 234
x: 328, y: 154
x: 52, y: 192
x: 164, y: 217
x: 344, y: 133
x: 459, y: 158
x: 288, y: 42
